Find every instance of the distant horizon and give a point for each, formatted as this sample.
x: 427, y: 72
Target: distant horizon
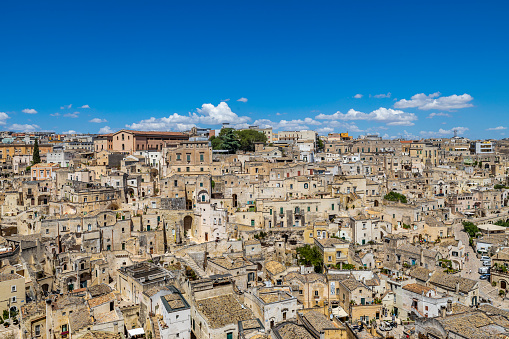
x: 218, y: 129
x: 400, y: 69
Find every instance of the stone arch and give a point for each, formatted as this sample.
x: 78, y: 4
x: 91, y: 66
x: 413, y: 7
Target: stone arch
x: 45, y: 287
x: 113, y: 206
x: 188, y: 223
x: 376, y: 203
x: 203, y: 196
x: 503, y: 284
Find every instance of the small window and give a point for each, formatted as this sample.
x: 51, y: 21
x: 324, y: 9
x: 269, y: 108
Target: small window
x: 13, y: 288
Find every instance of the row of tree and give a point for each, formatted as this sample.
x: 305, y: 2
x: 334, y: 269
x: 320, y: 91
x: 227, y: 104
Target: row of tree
x: 233, y: 140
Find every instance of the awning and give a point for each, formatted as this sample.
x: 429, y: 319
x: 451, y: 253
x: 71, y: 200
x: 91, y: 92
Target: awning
x: 135, y: 331
x: 339, y: 312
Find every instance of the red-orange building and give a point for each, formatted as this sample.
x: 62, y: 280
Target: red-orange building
x: 130, y: 141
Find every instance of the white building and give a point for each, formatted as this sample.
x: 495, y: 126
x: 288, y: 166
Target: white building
x: 211, y: 223
x: 59, y: 156
x: 420, y: 300
x: 272, y: 307
x: 366, y: 229
x: 176, y: 313
x: 481, y: 147
x: 152, y: 158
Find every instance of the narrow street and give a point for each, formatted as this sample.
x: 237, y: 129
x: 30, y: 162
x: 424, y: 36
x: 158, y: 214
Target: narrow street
x: 471, y: 269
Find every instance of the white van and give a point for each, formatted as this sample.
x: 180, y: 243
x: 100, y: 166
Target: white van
x: 485, y: 257
x: 484, y: 270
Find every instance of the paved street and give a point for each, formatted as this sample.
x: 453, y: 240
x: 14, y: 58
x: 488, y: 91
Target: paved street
x: 471, y: 269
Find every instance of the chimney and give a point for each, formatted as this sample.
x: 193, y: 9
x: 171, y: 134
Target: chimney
x: 422, y: 256
x: 457, y: 286
x: 449, y: 306
x: 442, y: 312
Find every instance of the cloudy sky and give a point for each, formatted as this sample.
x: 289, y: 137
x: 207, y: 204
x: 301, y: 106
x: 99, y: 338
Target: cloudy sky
x: 398, y: 68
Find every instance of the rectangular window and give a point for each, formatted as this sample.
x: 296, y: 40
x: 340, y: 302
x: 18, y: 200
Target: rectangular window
x: 13, y: 288
x: 201, y: 157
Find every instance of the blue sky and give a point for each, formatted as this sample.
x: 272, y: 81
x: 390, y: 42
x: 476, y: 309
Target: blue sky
x: 397, y: 68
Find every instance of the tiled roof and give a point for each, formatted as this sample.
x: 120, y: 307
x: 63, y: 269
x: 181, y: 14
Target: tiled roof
x: 449, y: 282
x: 10, y: 276
x: 417, y: 288
x: 292, y: 331
x: 94, y: 302
x: 252, y: 242
x: 274, y: 267
x: 330, y: 242
x: 273, y: 297
x: 101, y: 335
x: 98, y: 290
x: 80, y: 319
x: 174, y: 301
x: 318, y: 321
x: 420, y: 273
x: 311, y: 277
x: 154, y: 290
x: 223, y: 310
x: 351, y: 284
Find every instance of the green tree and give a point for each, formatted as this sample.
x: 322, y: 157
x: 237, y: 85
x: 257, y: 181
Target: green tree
x: 310, y: 256
x: 394, y: 196
x: 471, y: 229
x: 320, y: 145
x: 502, y: 223
x: 229, y: 140
x: 216, y: 143
x: 248, y: 137
x: 36, y: 157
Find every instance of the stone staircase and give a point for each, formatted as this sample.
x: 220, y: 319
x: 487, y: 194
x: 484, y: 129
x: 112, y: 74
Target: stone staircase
x: 191, y: 263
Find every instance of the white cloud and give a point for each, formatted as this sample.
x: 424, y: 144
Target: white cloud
x: 434, y: 101
x: 432, y: 115
x: 24, y: 127
x: 358, y: 96
x: 84, y: 106
x: 443, y: 132
x: 242, y: 100
x: 499, y: 128
x: 98, y: 120
x: 208, y: 114
x: 72, y: 115
x: 3, y: 118
x: 55, y: 114
x: 325, y: 130
x: 280, y: 113
x: 105, y: 130
x: 71, y: 131
x: 386, y: 115
x: 66, y: 106
x: 29, y: 111
x: 378, y: 96
x: 226, y: 100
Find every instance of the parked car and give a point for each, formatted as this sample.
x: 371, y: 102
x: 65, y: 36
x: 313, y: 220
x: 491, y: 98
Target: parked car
x: 485, y: 257
x: 485, y: 277
x: 486, y: 263
x: 484, y: 270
